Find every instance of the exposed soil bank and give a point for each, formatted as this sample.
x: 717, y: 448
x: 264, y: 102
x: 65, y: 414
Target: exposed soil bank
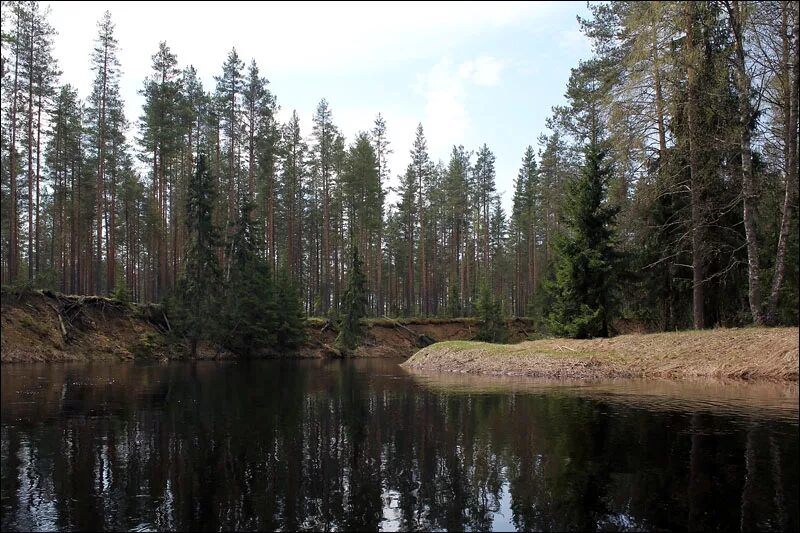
x: 46, y: 326
x: 747, y: 353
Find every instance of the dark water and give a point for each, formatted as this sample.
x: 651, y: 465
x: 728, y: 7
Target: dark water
x: 364, y: 445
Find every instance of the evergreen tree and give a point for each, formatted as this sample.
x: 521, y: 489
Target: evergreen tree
x: 196, y: 294
x: 290, y: 317
x: 227, y: 106
x: 161, y: 131
x: 355, y: 307
x: 453, y: 301
x: 584, y: 283
x: 250, y: 318
x: 102, y: 100
x: 489, y: 311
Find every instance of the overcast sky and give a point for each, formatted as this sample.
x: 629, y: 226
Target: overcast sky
x: 470, y: 72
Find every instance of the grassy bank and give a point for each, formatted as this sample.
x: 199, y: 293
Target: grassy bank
x: 747, y: 353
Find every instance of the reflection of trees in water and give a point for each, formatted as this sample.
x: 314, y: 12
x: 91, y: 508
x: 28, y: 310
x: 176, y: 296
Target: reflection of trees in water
x: 318, y: 446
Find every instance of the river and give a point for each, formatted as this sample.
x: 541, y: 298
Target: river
x: 366, y: 445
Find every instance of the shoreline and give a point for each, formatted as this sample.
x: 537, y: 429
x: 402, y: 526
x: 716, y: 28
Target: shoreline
x: 763, y: 354
x: 45, y: 326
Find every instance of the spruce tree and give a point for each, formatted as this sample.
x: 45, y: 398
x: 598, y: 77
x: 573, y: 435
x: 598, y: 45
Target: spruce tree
x: 354, y: 307
x: 584, y: 282
x: 489, y: 310
x: 453, y: 301
x: 250, y: 319
x: 290, y: 318
x: 196, y: 294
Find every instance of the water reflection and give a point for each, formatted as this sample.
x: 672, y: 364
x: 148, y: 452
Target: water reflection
x: 362, y: 445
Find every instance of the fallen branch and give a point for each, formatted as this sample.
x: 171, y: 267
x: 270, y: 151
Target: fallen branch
x: 329, y: 325
x: 397, y: 324
x: 420, y: 339
x: 60, y: 321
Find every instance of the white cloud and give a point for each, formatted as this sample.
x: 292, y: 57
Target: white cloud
x: 445, y: 87
x: 304, y: 47
x: 483, y: 70
x: 576, y: 41
x: 288, y: 40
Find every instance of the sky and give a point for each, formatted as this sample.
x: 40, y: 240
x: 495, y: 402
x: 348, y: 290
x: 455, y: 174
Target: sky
x: 470, y: 72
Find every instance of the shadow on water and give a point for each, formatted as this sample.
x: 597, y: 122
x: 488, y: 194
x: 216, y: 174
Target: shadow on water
x: 365, y: 445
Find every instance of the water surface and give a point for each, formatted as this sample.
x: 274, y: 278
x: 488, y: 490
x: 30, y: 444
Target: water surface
x: 342, y: 445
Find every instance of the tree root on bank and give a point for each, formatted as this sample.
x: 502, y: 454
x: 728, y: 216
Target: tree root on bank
x: 72, y: 316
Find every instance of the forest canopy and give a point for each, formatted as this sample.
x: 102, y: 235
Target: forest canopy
x: 693, y: 107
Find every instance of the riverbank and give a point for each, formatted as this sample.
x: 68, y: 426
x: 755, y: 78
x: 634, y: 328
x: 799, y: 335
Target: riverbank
x: 743, y: 353
x: 48, y: 327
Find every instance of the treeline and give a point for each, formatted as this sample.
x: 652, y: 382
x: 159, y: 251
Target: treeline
x: 691, y: 107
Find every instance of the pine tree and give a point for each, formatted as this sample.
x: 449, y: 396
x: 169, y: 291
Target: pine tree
x: 196, y: 294
x: 227, y: 100
x: 105, y: 90
x: 323, y: 153
x: 250, y: 318
x: 362, y: 197
x: 354, y: 307
x: 457, y: 222
x: 484, y: 193
x: 584, y: 283
x: 422, y: 171
x: 524, y: 224
x: 382, y: 151
x: 161, y: 131
x: 407, y: 213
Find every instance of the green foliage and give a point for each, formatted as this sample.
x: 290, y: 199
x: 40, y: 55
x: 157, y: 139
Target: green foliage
x: 453, y: 301
x: 249, y: 317
x: 354, y: 307
x: 489, y: 311
x: 196, y: 296
x: 290, y: 332
x: 121, y: 293
x: 585, y: 272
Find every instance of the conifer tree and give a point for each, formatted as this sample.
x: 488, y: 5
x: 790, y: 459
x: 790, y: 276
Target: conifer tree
x: 489, y: 311
x: 584, y: 282
x: 354, y: 306
x: 196, y: 294
x: 290, y: 317
x: 103, y: 98
x: 453, y: 301
x: 249, y: 317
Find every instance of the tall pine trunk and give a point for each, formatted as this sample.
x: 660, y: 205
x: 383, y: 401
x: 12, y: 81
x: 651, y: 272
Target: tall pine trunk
x: 30, y: 148
x: 791, y: 107
x: 13, y: 245
x: 737, y: 22
x: 698, y: 317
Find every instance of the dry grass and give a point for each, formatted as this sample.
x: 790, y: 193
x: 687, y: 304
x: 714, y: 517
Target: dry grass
x: 747, y: 353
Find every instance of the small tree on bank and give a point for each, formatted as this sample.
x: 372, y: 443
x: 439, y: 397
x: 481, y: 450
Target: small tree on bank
x: 290, y: 333
x: 492, y: 328
x: 354, y: 307
x: 453, y: 301
x: 585, y: 273
x: 250, y: 317
x: 197, y: 291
